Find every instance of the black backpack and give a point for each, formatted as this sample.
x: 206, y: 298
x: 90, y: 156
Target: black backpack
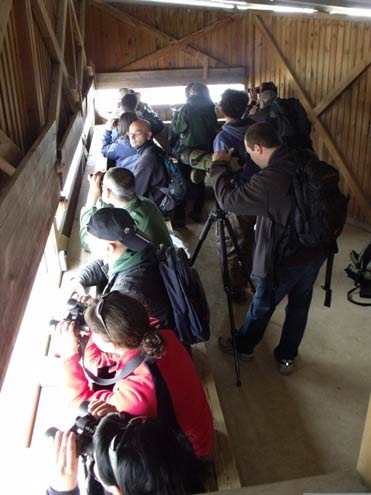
x: 175, y: 192
x: 319, y: 212
x: 290, y: 119
x: 360, y: 271
x: 186, y: 294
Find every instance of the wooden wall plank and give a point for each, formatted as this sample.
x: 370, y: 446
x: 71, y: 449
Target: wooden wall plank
x: 5, y: 8
x: 24, y: 230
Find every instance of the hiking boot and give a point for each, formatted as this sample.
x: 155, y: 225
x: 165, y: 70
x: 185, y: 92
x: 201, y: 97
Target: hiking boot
x: 226, y: 345
x: 286, y: 366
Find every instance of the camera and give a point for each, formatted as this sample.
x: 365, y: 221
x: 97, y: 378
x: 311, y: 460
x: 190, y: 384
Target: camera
x: 84, y: 428
x: 75, y: 313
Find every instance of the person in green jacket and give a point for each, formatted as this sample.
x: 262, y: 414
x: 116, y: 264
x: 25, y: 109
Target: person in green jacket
x: 117, y: 188
x: 193, y: 126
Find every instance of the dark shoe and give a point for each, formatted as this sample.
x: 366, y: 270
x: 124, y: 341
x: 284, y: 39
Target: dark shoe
x: 196, y: 217
x: 238, y: 296
x: 178, y: 223
x: 226, y: 345
x: 286, y: 366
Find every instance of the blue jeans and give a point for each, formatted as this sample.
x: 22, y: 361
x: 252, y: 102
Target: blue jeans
x: 297, y: 283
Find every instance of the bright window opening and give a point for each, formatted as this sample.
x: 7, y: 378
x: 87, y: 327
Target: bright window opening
x: 107, y: 100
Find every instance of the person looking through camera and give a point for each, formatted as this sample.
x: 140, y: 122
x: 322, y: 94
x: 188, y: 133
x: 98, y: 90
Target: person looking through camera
x: 132, y: 455
x: 162, y: 380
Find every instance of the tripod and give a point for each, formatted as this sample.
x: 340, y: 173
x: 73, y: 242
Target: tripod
x: 220, y: 216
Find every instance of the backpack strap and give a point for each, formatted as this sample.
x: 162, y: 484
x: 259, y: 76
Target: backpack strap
x: 129, y: 367
x: 327, y: 286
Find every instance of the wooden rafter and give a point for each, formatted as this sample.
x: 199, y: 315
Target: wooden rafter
x: 137, y: 23
x: 180, y: 42
x: 57, y: 71
x: 5, y: 8
x: 327, y: 139
x: 55, y: 49
x: 343, y: 84
x: 36, y: 74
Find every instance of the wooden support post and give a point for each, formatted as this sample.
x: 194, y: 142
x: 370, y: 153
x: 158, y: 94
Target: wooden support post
x: 364, y: 459
x: 5, y: 8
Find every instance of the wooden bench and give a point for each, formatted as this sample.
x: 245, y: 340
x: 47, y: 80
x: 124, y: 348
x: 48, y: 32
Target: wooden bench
x: 226, y: 474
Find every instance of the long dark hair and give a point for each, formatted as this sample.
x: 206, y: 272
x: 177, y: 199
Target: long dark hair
x: 127, y: 323
x: 143, y: 456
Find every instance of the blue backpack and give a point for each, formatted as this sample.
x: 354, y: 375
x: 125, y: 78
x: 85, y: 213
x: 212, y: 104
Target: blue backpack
x: 175, y: 192
x: 186, y: 294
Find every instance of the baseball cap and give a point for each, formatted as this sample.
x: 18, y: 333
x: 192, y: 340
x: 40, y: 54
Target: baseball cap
x: 116, y: 224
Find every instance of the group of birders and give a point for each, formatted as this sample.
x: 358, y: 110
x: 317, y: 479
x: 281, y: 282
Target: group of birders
x: 156, y: 432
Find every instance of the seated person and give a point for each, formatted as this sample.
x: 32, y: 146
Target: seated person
x: 131, y: 103
x: 150, y: 172
x: 116, y: 146
x: 125, y: 261
x: 118, y: 189
x: 166, y: 464
x: 163, y: 381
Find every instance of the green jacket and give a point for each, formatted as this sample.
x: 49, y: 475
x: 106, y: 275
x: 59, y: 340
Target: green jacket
x: 195, y: 124
x: 145, y: 214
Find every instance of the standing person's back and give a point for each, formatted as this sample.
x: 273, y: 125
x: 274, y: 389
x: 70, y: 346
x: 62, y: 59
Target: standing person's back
x: 194, y: 124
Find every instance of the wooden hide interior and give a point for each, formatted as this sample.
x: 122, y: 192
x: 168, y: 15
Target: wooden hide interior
x: 49, y: 49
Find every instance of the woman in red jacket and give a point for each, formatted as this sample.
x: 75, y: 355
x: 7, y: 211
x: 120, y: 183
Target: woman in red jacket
x: 160, y: 379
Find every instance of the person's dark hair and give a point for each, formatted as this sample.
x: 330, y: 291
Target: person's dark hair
x: 263, y: 134
x: 125, y: 120
x: 200, y: 89
x: 268, y: 86
x: 233, y: 103
x: 127, y: 322
x: 121, y: 182
x: 129, y: 102
x: 143, y: 455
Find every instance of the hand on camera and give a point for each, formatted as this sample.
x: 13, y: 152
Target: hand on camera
x: 111, y: 124
x: 101, y: 408
x: 66, y: 341
x: 64, y: 462
x: 223, y: 155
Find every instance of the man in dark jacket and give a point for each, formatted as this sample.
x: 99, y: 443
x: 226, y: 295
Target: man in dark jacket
x: 233, y: 104
x: 150, y: 172
x: 125, y: 262
x: 268, y: 196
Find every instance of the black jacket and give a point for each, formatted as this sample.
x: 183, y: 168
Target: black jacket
x: 150, y: 172
x: 268, y: 196
x: 143, y: 282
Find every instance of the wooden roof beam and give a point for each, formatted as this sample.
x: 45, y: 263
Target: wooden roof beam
x: 327, y: 139
x: 137, y: 23
x: 342, y: 86
x: 181, y: 42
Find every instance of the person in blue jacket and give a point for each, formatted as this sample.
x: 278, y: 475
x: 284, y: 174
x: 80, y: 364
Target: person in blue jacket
x: 118, y: 148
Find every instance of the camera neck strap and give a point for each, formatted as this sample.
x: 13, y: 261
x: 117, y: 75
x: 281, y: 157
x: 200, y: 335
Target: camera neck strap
x: 129, y: 367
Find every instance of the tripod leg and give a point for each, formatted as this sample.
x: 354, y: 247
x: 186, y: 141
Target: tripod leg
x: 241, y: 262
x: 205, y: 230
x: 227, y: 288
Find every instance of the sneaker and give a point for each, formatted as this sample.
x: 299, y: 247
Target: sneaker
x: 226, y: 345
x: 286, y: 366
